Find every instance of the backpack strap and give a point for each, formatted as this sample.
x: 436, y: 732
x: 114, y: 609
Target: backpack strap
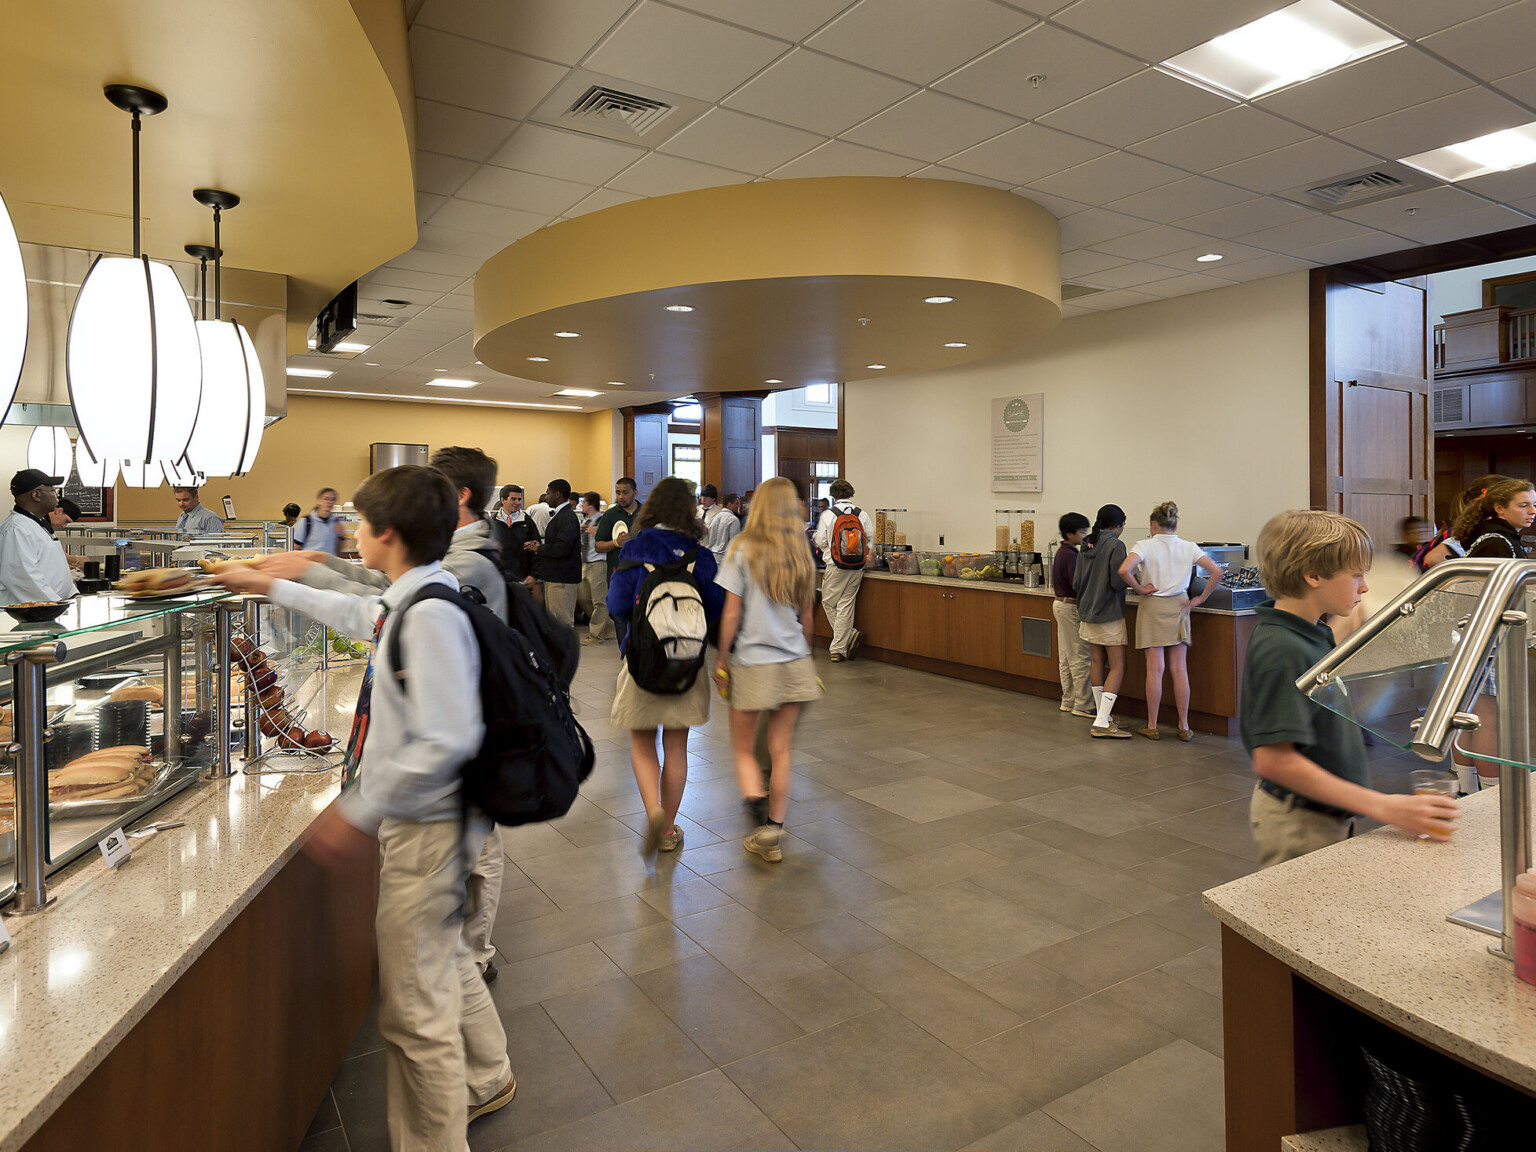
x: 433, y: 591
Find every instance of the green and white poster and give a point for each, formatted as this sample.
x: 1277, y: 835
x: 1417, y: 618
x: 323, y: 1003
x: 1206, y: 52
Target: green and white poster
x: 1018, y: 436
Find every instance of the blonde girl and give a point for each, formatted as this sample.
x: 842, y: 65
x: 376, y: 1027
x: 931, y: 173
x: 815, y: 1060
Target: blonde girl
x: 765, y: 664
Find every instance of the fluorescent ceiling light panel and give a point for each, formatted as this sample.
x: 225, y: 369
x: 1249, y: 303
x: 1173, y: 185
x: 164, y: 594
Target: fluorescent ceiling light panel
x: 1495, y: 152
x: 350, y: 347
x: 577, y: 392
x: 1297, y: 43
x: 311, y: 373
x: 446, y: 382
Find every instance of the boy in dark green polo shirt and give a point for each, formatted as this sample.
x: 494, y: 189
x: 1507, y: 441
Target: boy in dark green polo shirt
x: 1313, y: 775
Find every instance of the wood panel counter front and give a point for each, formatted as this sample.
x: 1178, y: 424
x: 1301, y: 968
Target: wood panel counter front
x: 973, y: 631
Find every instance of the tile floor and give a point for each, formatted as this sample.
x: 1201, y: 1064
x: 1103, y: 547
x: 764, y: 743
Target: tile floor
x: 986, y: 933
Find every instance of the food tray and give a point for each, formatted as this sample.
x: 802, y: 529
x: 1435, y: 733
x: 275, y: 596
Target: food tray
x: 953, y: 563
x: 161, y: 785
x: 170, y: 594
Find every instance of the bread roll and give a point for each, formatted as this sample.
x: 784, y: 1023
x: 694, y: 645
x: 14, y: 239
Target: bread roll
x: 140, y: 692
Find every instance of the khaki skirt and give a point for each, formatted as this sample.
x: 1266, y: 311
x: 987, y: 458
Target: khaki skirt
x: 636, y: 709
x: 764, y: 687
x: 1162, y: 621
x: 1108, y: 635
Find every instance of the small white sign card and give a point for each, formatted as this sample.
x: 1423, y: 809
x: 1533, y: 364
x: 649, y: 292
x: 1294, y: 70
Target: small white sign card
x: 114, y: 848
x: 5, y: 936
x: 1018, y: 443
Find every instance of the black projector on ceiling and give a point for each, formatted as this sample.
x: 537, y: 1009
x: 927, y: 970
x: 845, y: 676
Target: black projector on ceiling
x: 337, y: 320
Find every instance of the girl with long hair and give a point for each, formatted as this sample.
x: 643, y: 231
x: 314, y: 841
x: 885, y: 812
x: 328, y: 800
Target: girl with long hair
x: 1445, y: 546
x: 1101, y: 608
x: 666, y: 531
x: 765, y: 664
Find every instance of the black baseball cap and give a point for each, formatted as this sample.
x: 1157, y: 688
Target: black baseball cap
x: 30, y: 478
x: 69, y: 507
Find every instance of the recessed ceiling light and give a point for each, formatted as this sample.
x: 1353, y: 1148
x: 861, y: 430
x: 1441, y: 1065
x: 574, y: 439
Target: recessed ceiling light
x: 957, y: 344
x: 679, y: 308
x: 773, y: 381
x: 439, y: 369
x: 874, y: 365
x: 1286, y: 47
x: 445, y: 382
x: 370, y: 363
x: 349, y: 347
x: 539, y: 359
x: 312, y: 373
x: 568, y: 335
x: 577, y: 392
x: 1495, y: 152
x: 938, y: 299
x: 617, y: 384
x: 1208, y: 258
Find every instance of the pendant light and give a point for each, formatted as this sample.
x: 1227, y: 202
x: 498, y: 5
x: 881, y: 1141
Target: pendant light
x: 94, y: 473
x: 134, y: 367
x: 180, y: 474
x: 227, y: 434
x: 140, y: 475
x: 13, y: 311
x: 48, y: 450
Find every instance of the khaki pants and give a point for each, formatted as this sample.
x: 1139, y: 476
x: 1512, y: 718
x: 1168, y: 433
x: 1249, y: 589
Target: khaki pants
x: 560, y: 599
x: 445, y: 1047
x: 1072, y: 658
x: 1283, y: 830
x: 482, y: 896
x: 594, y: 578
x: 839, y: 590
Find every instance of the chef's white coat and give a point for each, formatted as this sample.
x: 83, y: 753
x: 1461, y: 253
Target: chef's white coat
x: 32, y: 565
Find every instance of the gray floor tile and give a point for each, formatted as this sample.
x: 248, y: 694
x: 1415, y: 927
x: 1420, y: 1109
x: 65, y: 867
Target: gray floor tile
x: 684, y: 898
x: 601, y: 872
x: 359, y: 1092
x: 893, y: 1084
x: 1193, y: 870
x: 1093, y: 810
x: 367, y: 1038
x: 1117, y: 888
x: 847, y: 843
x: 1173, y: 1004
x: 962, y: 928
x: 1201, y: 968
x: 723, y: 1016
x: 1188, y: 917
x: 924, y: 798
x: 944, y: 1006
x: 326, y: 1117
x: 1026, y: 988
x: 553, y: 974
x: 820, y: 999
x: 806, y: 886
x: 532, y: 840
x: 654, y: 946
x: 930, y: 869
x: 554, y: 1084
x: 1169, y: 1100
x: 753, y: 949
x: 525, y: 903
x: 331, y: 1140
x: 1036, y: 1132
x: 1114, y: 952
x: 838, y: 937
x: 1062, y: 903
x: 578, y: 926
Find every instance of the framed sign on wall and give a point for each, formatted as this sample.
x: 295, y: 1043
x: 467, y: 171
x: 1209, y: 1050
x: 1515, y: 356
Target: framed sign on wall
x: 1018, y: 443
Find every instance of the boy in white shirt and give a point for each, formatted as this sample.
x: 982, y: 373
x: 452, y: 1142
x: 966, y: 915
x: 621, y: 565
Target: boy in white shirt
x: 446, y: 1049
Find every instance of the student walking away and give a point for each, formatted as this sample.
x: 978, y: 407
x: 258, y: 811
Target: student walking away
x: 845, y: 537
x: 765, y: 650
x: 1101, y: 610
x: 1166, y: 563
x: 1314, y: 779
x: 1071, y: 649
x: 725, y: 526
x: 1443, y: 545
x: 320, y: 531
x: 664, y: 597
x: 594, y: 569
x: 557, y: 558
x: 445, y: 1050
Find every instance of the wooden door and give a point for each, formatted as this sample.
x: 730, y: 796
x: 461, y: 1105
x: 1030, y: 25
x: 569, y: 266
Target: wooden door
x: 975, y: 632
x: 1372, y: 447
x: 924, y: 620
x: 877, y: 613
x: 650, y: 451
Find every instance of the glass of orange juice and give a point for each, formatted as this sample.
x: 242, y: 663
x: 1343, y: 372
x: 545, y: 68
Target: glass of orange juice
x: 1430, y: 782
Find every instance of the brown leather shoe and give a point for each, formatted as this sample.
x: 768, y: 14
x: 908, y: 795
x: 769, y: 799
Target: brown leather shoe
x: 1149, y: 733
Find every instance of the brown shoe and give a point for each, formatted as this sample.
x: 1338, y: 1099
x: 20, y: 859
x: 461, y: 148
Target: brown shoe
x: 1110, y: 731
x: 1149, y: 733
x: 496, y: 1103
x: 1186, y: 735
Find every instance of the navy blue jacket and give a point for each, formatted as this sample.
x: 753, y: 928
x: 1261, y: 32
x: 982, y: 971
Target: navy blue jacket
x: 661, y: 546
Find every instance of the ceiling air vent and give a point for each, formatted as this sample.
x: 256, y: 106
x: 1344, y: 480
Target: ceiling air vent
x: 1448, y: 405
x: 375, y: 318
x: 615, y: 109
x: 1070, y: 291
x: 1366, y: 186
x: 1380, y: 181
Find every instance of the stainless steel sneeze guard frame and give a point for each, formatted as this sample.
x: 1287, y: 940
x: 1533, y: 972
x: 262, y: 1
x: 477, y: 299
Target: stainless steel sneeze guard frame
x: 1494, y: 623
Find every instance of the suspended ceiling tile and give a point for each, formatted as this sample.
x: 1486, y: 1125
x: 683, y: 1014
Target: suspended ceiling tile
x: 1181, y: 199
x: 658, y: 175
x: 1289, y: 238
x: 1491, y: 46
x: 1155, y: 31
x: 788, y: 19
x: 1249, y: 216
x: 602, y: 198
x: 1363, y: 91
x: 1109, y: 178
x: 454, y: 300
x: 930, y: 126
x: 455, y: 242
x: 1435, y: 124
x: 1186, y: 285
x: 1263, y: 267
x: 459, y: 131
x: 840, y: 158
x: 563, y: 32
x: 565, y: 155
x: 918, y: 40
x: 682, y: 52
x: 1136, y: 108
x: 1118, y: 298
x: 471, y: 74
x: 1096, y: 225
x: 1417, y: 18
x: 1429, y: 204
x: 441, y: 174
x: 1150, y: 243
x: 1357, y: 248
x: 1516, y: 184
x: 1231, y: 252
x: 1057, y: 206
x: 1317, y: 159
x: 1128, y: 276
x: 1492, y: 218
x: 746, y: 143
x: 1225, y: 138
x: 470, y: 216
x: 426, y: 204
x: 818, y: 93
x: 1028, y: 152
x: 939, y: 172
x: 1070, y: 67
x: 525, y: 191
x: 1522, y: 86
x: 421, y: 281
x: 1084, y: 263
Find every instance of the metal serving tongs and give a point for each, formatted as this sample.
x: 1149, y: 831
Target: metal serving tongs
x: 160, y: 826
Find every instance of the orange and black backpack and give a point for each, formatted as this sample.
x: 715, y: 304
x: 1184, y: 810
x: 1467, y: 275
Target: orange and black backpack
x: 849, y: 540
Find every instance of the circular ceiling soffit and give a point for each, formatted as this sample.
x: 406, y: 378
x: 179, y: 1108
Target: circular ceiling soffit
x: 801, y: 280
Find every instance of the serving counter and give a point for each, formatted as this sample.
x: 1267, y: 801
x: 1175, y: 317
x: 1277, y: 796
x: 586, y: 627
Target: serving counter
x: 1358, y: 932
x: 1003, y: 634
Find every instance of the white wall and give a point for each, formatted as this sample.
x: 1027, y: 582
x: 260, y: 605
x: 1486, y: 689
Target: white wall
x: 1462, y: 290
x: 791, y: 410
x: 1201, y: 399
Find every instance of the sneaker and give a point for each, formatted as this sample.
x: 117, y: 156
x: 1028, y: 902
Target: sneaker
x: 488, y: 971
x: 1065, y: 707
x: 837, y: 657
x: 853, y: 643
x: 496, y: 1103
x: 655, y: 823
x: 1085, y: 713
x: 1110, y: 731
x: 757, y: 809
x: 765, y: 843
x: 1150, y: 732
x: 671, y: 841
x: 592, y: 640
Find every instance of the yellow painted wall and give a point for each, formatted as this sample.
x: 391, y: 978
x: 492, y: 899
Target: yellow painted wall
x: 323, y: 442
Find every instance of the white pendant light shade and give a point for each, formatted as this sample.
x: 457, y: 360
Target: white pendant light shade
x: 137, y: 475
x: 48, y: 450
x: 180, y: 474
x: 135, y: 368
x: 13, y: 311
x: 94, y: 473
x: 234, y: 401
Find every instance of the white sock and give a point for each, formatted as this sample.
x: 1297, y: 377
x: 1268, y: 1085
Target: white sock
x: 1106, y: 706
x: 1098, y: 696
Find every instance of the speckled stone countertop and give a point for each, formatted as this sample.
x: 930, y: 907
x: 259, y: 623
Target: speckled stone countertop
x: 1351, y: 1138
x: 1018, y: 588
x: 79, y: 976
x: 1365, y: 920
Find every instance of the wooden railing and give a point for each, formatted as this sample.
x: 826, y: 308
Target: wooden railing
x: 1522, y: 335
x: 1483, y: 339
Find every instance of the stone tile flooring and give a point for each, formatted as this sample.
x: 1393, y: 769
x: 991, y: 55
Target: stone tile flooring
x: 986, y: 933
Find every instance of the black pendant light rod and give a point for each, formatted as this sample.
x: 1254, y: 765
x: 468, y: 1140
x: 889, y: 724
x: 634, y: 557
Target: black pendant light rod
x: 139, y: 102
x: 217, y: 200
x: 203, y: 253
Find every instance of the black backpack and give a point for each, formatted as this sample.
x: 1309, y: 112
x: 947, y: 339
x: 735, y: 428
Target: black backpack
x: 554, y: 643
x: 668, y: 629
x: 534, y: 755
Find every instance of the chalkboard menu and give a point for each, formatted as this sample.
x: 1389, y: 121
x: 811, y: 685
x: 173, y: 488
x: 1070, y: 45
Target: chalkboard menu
x: 95, y: 503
